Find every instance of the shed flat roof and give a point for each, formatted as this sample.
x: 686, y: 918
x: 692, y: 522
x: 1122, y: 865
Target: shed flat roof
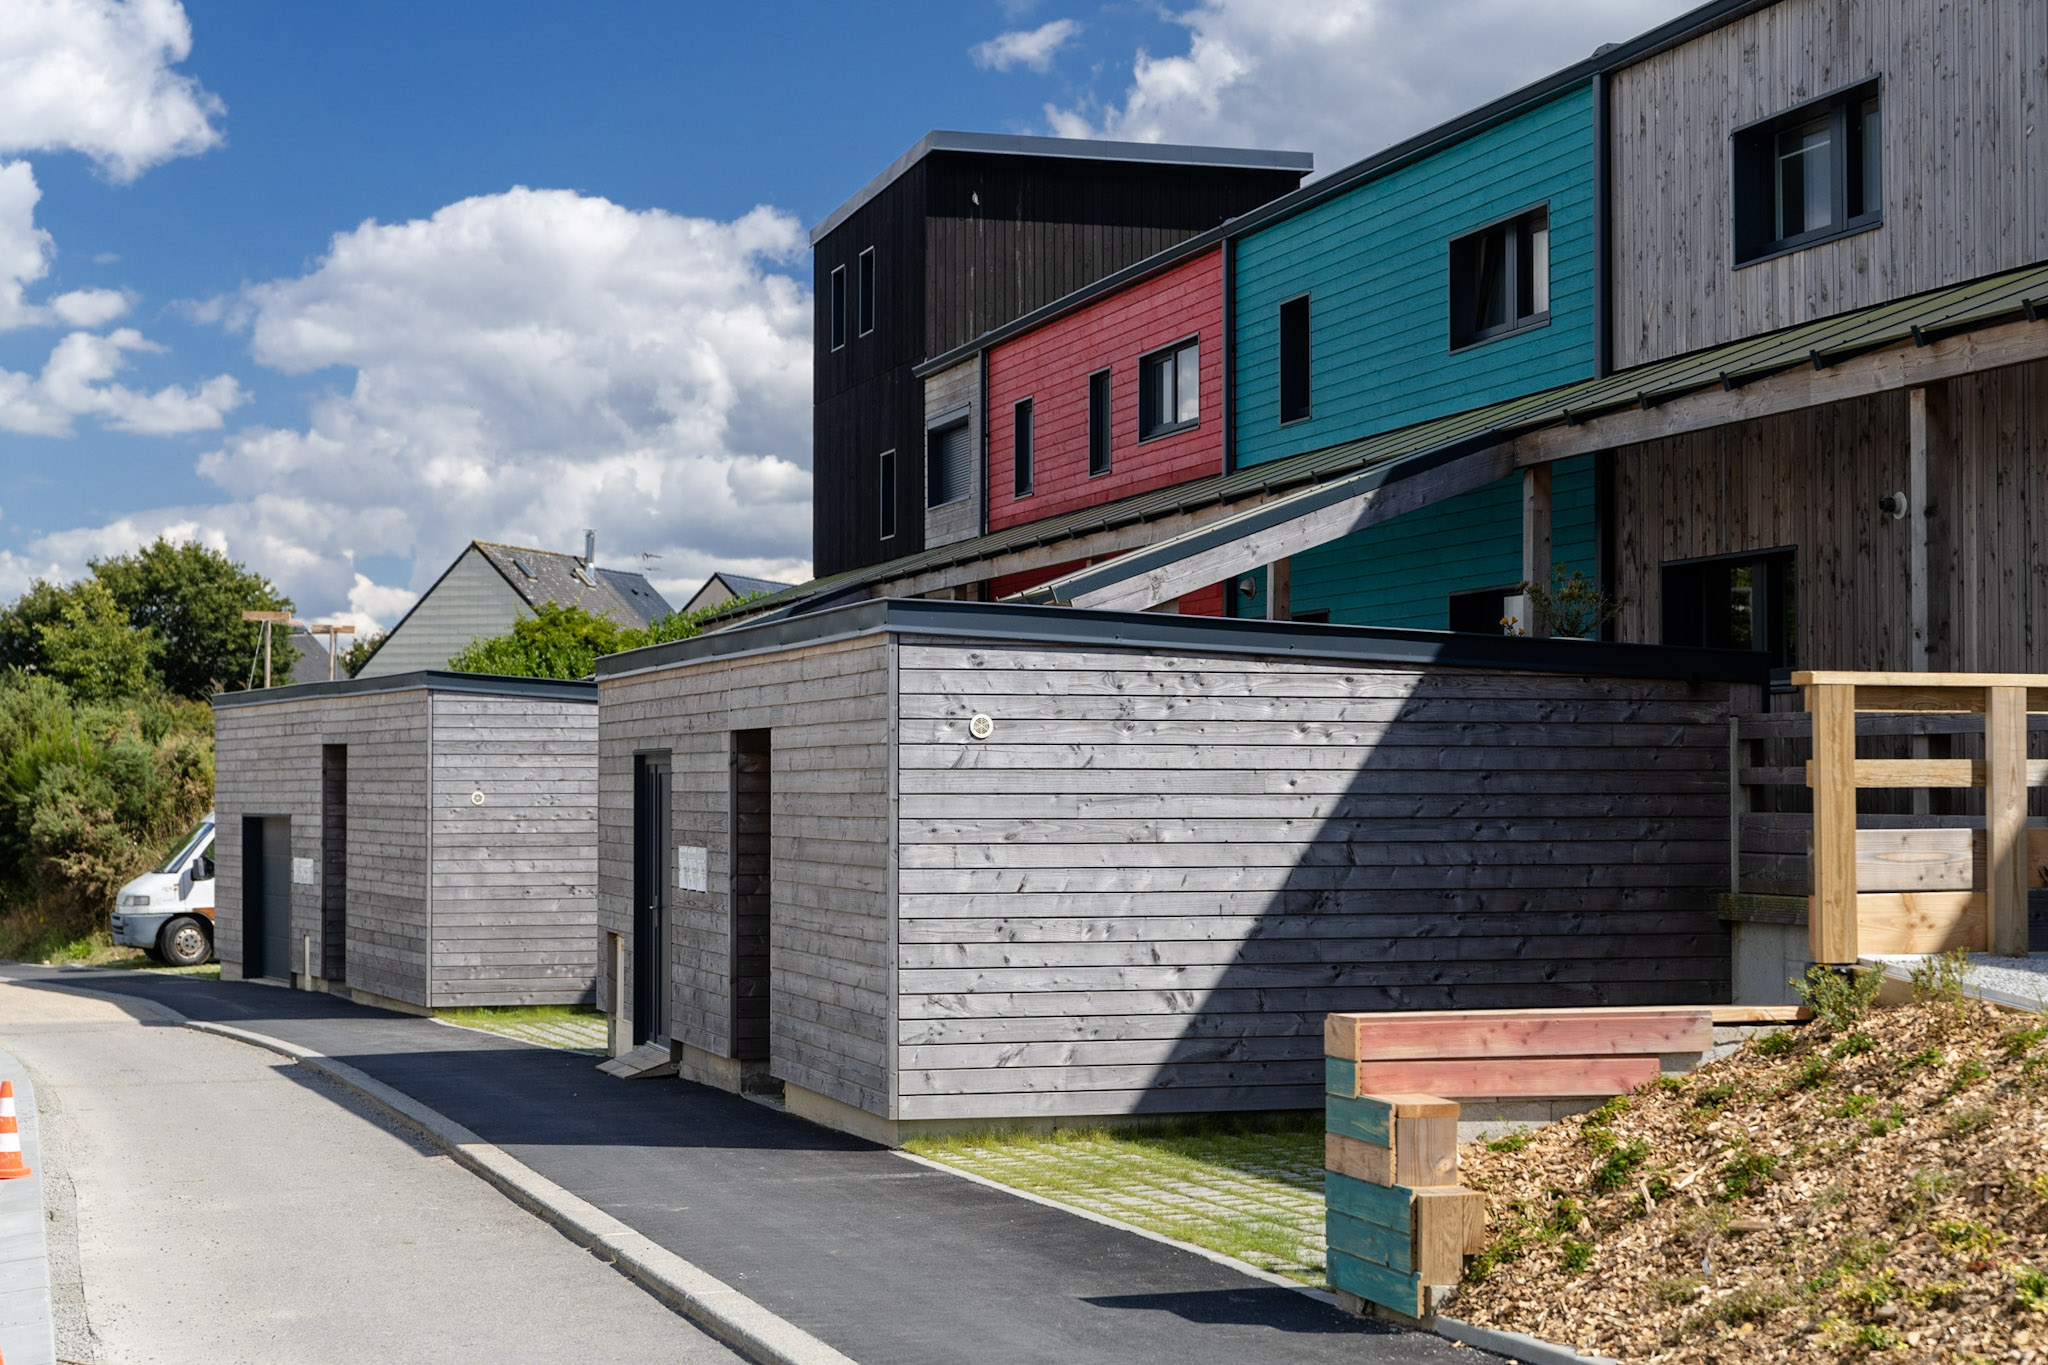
x: 1193, y: 634
x: 423, y: 680
x: 1069, y: 149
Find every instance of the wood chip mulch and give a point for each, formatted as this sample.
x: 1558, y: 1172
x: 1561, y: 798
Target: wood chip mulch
x: 1875, y: 1190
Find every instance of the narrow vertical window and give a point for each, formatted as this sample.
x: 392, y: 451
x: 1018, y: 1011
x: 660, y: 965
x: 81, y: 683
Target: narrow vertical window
x: 1098, y: 423
x: 837, y: 306
x: 1294, y: 371
x: 1023, y: 447
x: 886, y: 480
x: 867, y: 291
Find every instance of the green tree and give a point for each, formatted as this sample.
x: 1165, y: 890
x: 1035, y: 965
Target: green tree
x: 21, y: 636
x: 93, y: 648
x: 191, y: 599
x: 359, y: 651
x: 555, y: 642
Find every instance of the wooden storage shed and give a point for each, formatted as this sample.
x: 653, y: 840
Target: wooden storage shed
x: 415, y: 841
x: 927, y: 862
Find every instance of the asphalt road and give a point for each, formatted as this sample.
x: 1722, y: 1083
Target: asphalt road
x: 231, y: 1207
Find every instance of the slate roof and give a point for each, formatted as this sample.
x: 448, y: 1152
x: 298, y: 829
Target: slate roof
x: 540, y: 576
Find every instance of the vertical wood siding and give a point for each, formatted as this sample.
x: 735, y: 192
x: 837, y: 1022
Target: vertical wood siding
x: 1965, y: 94
x: 1375, y: 262
x: 1145, y: 889
x: 829, y: 915
x: 1051, y: 365
x: 955, y: 389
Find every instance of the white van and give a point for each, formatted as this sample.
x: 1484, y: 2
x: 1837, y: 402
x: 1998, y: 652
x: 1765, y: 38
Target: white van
x: 169, y: 912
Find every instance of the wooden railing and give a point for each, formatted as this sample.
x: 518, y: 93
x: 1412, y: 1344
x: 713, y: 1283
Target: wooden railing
x: 1921, y: 886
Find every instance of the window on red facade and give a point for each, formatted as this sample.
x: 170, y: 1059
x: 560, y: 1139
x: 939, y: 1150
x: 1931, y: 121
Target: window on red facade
x: 1170, y: 390
x: 1098, y: 423
x: 1023, y: 447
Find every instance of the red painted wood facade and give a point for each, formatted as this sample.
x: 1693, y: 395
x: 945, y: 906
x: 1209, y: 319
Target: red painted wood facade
x: 1051, y: 364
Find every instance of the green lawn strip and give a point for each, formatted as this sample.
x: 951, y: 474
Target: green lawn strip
x: 572, y: 1028
x: 1252, y: 1191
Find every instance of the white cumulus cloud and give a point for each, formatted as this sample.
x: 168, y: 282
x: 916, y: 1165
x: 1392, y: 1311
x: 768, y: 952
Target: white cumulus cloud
x: 95, y: 77
x: 1034, y: 47
x: 24, y: 247
x: 76, y: 382
x: 1344, y: 78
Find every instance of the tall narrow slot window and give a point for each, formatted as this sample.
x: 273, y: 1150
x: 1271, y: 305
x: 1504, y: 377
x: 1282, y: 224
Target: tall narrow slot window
x: 1500, y: 278
x: 1022, y: 427
x: 867, y: 291
x: 945, y: 465
x: 1170, y: 390
x: 1098, y: 423
x: 1745, y: 601
x: 1809, y: 174
x: 885, y: 480
x: 837, y: 293
x: 1294, y: 383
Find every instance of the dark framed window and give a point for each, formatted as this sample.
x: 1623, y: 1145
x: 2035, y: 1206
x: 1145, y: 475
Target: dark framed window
x: 1742, y: 601
x: 885, y: 481
x: 837, y: 295
x: 945, y: 464
x: 1500, y: 278
x: 1294, y: 372
x: 1481, y: 611
x: 1098, y: 423
x: 1021, y: 425
x: 1315, y: 616
x: 867, y: 291
x: 1809, y: 174
x: 1170, y: 390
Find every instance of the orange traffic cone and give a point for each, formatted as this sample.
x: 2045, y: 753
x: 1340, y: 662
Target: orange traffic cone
x: 11, y: 1164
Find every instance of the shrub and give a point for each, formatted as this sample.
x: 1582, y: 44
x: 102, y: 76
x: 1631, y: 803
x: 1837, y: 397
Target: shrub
x: 1747, y: 1173
x: 1621, y: 1163
x: 1839, y: 1000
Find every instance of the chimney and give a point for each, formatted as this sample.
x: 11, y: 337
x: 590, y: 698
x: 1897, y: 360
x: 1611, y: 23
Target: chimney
x: 589, y: 547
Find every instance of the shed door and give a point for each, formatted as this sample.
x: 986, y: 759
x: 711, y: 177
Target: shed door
x: 266, y: 895
x: 651, y: 858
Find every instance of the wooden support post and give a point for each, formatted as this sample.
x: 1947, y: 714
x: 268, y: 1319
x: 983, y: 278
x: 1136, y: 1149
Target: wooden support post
x: 1536, y: 535
x: 1831, y: 914
x: 1280, y: 590
x: 2005, y: 816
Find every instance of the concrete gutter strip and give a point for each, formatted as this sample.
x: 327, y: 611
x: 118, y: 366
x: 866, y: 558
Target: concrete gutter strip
x: 720, y: 1309
x: 27, y: 1323
x: 1515, y: 1345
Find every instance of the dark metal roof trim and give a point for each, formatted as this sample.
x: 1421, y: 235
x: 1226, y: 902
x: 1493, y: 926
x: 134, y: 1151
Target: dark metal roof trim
x: 1066, y: 149
x: 1006, y: 621
x: 423, y: 680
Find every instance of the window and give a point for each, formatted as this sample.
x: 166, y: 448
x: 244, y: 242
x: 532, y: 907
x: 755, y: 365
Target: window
x: 1481, y: 611
x: 1808, y: 175
x: 1098, y: 423
x: 1500, y: 278
x: 867, y: 291
x: 1023, y: 447
x: 945, y: 465
x: 885, y: 479
x: 1294, y: 390
x: 838, y: 306
x: 1170, y: 390
x: 1746, y: 601
x: 1317, y: 616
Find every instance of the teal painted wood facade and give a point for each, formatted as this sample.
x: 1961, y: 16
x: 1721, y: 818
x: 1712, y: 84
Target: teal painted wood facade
x: 1403, y: 572
x: 1375, y: 263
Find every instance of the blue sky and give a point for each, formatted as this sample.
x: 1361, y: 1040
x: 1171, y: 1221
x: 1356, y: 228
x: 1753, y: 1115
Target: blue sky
x: 278, y: 292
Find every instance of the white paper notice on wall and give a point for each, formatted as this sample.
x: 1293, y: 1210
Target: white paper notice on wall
x: 302, y: 871
x: 693, y: 868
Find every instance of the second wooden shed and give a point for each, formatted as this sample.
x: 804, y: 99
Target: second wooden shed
x: 416, y: 841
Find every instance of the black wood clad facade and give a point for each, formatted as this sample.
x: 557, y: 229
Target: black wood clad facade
x: 964, y: 242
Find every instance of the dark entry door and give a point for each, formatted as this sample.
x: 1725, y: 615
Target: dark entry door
x: 651, y: 858
x: 266, y: 895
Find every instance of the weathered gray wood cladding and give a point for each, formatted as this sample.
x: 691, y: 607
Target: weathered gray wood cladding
x: 1177, y: 847
x: 1964, y: 87
x: 447, y: 899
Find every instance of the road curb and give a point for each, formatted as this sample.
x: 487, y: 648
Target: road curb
x: 754, y: 1331
x: 27, y: 1314
x: 1515, y: 1345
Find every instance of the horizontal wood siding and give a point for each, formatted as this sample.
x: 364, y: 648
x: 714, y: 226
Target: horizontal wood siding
x: 827, y: 708
x: 1965, y: 90
x: 1051, y: 366
x: 1375, y: 263
x: 1402, y: 572
x: 1146, y: 888
x: 515, y: 878
x: 946, y: 394
x: 471, y: 602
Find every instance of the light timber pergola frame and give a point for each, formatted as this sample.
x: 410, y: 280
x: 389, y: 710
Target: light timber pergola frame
x: 1834, y: 700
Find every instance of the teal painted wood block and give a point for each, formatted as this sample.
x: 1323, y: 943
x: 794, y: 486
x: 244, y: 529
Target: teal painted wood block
x: 1340, y: 1077
x: 1366, y: 1120
x: 1375, y: 1283
x: 1386, y: 1206
x: 1369, y: 1241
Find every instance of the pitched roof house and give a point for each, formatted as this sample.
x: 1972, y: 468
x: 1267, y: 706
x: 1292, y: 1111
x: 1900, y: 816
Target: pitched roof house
x: 723, y: 587
x: 489, y: 587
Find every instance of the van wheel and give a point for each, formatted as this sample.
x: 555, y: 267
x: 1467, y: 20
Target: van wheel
x: 184, y: 942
